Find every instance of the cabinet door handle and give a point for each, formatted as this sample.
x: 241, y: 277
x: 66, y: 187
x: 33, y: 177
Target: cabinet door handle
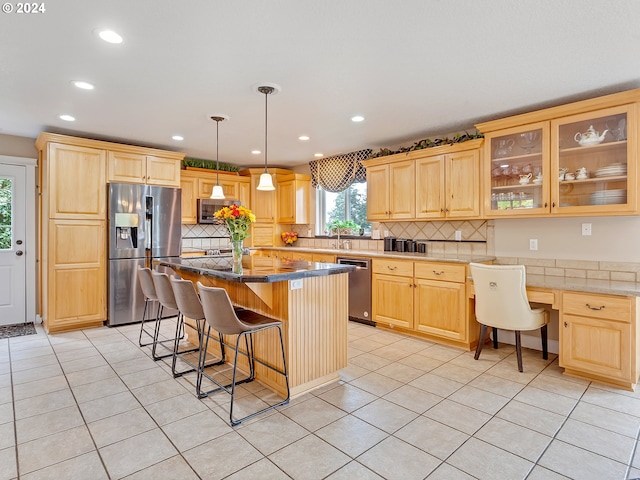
x: 410, y: 285
x: 566, y: 324
x: 446, y: 210
x: 438, y: 273
x: 442, y: 210
x: 594, y: 308
x: 391, y: 268
x: 546, y: 204
x: 553, y: 204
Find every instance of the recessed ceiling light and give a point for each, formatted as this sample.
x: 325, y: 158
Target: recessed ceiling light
x: 256, y: 152
x: 303, y: 137
x: 110, y: 36
x: 318, y: 155
x: 357, y: 118
x: 178, y: 137
x: 67, y: 118
x: 83, y: 85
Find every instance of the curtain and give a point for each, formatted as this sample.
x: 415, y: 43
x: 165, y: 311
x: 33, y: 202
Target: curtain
x: 335, y: 174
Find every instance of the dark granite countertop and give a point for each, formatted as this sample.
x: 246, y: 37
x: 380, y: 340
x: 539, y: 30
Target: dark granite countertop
x: 254, y: 269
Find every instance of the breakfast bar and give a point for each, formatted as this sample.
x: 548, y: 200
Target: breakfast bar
x: 309, y: 298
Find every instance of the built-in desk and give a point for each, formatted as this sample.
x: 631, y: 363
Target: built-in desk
x: 599, y: 336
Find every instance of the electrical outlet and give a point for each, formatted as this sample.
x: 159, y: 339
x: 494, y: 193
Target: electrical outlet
x: 295, y: 284
x: 386, y: 233
x: 458, y: 235
x: 533, y: 244
x: 586, y: 229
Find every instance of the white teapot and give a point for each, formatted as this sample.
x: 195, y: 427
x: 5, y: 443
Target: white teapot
x: 590, y: 137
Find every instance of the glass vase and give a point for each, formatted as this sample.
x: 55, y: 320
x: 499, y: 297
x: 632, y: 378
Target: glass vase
x: 236, y: 251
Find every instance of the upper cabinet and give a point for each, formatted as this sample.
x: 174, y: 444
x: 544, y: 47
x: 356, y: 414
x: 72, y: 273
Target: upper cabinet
x: 293, y: 198
x: 576, y: 159
x: 198, y: 183
x: 73, y: 181
x: 139, y: 168
x: 434, y: 183
x: 390, y: 191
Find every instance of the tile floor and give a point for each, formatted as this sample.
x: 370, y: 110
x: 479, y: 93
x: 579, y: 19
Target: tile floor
x: 92, y: 404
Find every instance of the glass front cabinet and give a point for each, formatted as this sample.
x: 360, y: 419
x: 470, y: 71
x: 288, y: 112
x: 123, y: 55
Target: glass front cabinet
x: 519, y: 171
x: 594, y: 160
x: 579, y: 164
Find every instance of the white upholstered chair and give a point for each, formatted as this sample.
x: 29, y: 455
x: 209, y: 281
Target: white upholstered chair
x: 502, y: 303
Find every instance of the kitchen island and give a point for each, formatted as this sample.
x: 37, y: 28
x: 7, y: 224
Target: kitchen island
x: 311, y: 300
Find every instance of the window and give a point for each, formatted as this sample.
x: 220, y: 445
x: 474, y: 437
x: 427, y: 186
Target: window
x: 6, y: 204
x: 350, y: 204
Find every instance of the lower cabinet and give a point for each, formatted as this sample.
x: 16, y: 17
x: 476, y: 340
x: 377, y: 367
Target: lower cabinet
x: 598, y: 336
x: 428, y: 298
x: 439, y: 309
x: 74, y: 288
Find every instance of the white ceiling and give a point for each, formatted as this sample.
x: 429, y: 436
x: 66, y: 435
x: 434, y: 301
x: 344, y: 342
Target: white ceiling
x: 412, y: 68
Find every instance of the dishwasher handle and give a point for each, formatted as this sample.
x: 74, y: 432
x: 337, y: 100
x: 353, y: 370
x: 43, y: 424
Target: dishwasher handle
x: 363, y: 264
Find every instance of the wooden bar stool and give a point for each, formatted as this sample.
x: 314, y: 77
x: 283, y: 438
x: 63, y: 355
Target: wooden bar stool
x: 221, y: 316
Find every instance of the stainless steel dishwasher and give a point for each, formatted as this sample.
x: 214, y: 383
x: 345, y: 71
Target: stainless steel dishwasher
x: 359, y: 289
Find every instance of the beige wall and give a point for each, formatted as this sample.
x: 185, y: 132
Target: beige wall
x: 613, y: 239
x: 14, y: 146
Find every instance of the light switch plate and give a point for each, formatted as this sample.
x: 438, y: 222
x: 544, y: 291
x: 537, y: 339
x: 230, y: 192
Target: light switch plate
x: 586, y: 229
x: 533, y: 244
x: 458, y: 235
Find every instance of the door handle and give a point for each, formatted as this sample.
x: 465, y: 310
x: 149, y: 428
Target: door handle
x: 19, y: 253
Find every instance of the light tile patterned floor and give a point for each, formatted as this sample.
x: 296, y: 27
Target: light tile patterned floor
x: 92, y: 405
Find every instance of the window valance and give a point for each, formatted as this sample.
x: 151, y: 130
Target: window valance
x: 335, y: 174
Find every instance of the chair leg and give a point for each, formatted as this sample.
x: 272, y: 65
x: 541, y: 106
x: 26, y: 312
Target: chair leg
x: 483, y: 334
x: 202, y: 355
x: 233, y: 379
x: 519, y: 350
x: 494, y: 334
x: 545, y: 349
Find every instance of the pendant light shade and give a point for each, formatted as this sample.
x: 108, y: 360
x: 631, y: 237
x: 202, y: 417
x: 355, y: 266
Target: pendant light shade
x: 217, y: 193
x: 266, y: 181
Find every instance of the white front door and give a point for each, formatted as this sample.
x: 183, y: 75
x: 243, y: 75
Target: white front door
x: 12, y: 244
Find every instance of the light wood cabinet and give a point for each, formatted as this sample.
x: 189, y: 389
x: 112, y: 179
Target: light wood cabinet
x: 73, y: 241
x: 262, y: 235
x: 73, y: 181
x: 448, y: 186
x: 428, y: 298
x: 198, y: 183
x: 598, y: 337
x: 131, y: 167
x: 429, y: 184
x: 76, y: 274
x: 572, y: 160
x: 189, y: 192
x: 231, y: 185
x: 390, y: 191
x: 293, y: 198
x: 323, y: 258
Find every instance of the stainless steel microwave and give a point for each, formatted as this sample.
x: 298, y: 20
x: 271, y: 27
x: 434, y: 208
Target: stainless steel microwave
x: 207, y: 207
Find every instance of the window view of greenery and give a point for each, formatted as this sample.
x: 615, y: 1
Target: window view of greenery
x: 5, y: 213
x: 351, y: 204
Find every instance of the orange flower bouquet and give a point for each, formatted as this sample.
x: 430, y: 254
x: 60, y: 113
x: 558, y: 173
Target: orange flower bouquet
x: 237, y: 219
x: 289, y: 238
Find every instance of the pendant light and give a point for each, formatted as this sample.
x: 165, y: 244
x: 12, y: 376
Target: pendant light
x: 217, y: 193
x: 266, y: 181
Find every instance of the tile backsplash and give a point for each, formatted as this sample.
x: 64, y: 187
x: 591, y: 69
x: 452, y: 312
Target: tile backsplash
x: 204, y: 237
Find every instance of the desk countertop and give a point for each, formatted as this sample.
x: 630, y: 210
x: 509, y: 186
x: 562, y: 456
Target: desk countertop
x: 609, y: 287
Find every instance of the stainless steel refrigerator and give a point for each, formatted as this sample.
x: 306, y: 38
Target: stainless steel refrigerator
x: 144, y: 224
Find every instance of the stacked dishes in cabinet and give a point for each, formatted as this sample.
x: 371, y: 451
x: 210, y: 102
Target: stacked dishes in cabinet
x: 609, y: 197
x: 613, y: 170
